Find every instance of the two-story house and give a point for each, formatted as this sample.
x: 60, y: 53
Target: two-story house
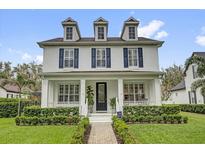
x: 125, y: 67
x: 182, y: 93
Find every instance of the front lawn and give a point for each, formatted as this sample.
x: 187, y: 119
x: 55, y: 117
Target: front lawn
x: 193, y: 132
x: 10, y: 133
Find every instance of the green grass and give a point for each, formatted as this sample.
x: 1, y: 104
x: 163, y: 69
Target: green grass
x: 193, y: 132
x: 10, y: 133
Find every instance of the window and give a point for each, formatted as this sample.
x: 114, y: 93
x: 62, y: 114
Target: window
x: 194, y: 69
x: 69, y: 58
x: 131, y: 32
x: 100, y: 32
x: 68, y: 93
x: 101, y: 60
x: 69, y: 33
x: 132, y: 57
x: 134, y: 92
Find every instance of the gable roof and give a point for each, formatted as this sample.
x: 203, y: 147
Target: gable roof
x: 100, y: 19
x: 131, y: 19
x: 200, y: 54
x: 180, y: 86
x: 91, y: 41
x: 10, y: 87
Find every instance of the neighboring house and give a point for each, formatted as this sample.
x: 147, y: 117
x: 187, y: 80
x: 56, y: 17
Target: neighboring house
x: 184, y: 95
x: 9, y: 90
x: 125, y: 67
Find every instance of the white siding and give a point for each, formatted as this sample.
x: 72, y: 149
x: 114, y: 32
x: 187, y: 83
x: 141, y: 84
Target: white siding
x: 75, y: 34
x: 51, y: 59
x: 3, y: 93
x: 125, y: 35
x: 179, y: 97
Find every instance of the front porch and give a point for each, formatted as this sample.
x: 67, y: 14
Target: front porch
x: 65, y: 92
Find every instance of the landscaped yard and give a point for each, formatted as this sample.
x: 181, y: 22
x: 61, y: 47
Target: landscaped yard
x: 193, y: 132
x: 10, y: 133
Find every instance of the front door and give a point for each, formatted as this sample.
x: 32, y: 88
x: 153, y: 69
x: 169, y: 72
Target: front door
x: 101, y: 96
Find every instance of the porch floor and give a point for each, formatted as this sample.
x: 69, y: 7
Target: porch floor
x: 102, y: 133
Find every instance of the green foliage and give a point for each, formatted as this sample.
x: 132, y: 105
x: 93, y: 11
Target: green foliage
x: 151, y: 110
x: 32, y: 111
x: 121, y: 129
x: 113, y: 102
x: 170, y: 78
x: 54, y: 120
x: 90, y: 95
x: 79, y: 134
x: 10, y: 109
x: 195, y: 108
x: 9, y: 100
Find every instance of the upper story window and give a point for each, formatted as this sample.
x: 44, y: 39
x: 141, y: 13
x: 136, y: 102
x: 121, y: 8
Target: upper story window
x: 69, y: 58
x: 100, y: 57
x: 132, y: 57
x: 69, y: 33
x: 133, y: 92
x: 194, y: 70
x: 101, y: 33
x: 131, y: 32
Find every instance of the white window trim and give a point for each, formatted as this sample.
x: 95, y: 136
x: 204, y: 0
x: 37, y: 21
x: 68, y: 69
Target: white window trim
x: 133, y: 66
x: 68, y: 58
x: 129, y: 33
x: 66, y: 32
x: 101, y: 57
x: 101, y: 32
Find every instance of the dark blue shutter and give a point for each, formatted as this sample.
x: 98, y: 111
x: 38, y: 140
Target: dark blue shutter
x: 140, y: 57
x: 76, y: 57
x: 195, y: 99
x: 189, y: 93
x: 125, y: 54
x: 61, y: 57
x: 93, y: 58
x: 108, y: 57
x: 193, y: 72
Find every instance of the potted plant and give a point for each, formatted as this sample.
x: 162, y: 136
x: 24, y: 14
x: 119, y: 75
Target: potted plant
x: 90, y: 96
x: 113, y: 104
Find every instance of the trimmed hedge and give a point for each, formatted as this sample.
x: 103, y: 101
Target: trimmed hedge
x: 173, y: 119
x: 9, y: 100
x: 54, y: 120
x: 195, y: 108
x: 151, y: 110
x: 10, y: 109
x: 121, y: 129
x: 37, y: 111
x: 79, y: 134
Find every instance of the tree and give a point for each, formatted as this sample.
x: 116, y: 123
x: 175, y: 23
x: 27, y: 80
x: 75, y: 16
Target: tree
x: 21, y: 81
x: 6, y: 70
x: 200, y: 83
x: 90, y: 97
x: 170, y: 78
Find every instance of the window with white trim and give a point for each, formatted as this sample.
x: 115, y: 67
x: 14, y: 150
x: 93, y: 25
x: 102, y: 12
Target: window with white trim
x: 69, y: 33
x: 68, y: 58
x: 132, y: 57
x: 133, y: 92
x: 68, y: 94
x: 100, y: 33
x: 131, y: 32
x: 100, y: 57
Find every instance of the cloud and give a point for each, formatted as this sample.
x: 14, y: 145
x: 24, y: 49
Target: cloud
x: 39, y: 59
x: 151, y: 29
x: 161, y: 34
x: 200, y: 40
x: 26, y: 57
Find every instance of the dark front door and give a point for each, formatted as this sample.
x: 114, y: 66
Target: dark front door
x: 101, y: 96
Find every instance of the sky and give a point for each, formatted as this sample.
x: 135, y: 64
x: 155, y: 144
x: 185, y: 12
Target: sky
x: 182, y: 30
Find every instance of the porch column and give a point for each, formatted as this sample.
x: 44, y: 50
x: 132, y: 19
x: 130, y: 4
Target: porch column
x: 157, y: 91
x: 120, y: 95
x: 83, y: 106
x: 50, y: 94
x: 44, y: 93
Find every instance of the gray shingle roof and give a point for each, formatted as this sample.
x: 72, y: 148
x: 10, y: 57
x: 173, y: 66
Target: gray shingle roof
x: 179, y: 86
x: 201, y: 54
x: 10, y: 87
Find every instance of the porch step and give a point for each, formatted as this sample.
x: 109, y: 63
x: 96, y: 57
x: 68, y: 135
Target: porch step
x: 100, y: 117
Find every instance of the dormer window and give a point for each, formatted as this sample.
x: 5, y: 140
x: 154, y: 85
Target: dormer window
x: 100, y: 33
x: 69, y: 33
x: 131, y: 32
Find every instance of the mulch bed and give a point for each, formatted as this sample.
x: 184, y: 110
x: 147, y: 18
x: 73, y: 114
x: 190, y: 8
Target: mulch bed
x: 87, y: 134
x: 119, y: 141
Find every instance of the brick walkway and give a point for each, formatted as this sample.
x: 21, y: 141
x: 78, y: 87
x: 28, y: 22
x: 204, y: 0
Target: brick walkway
x: 102, y: 133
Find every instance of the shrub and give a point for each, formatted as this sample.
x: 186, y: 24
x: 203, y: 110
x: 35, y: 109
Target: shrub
x: 79, y: 134
x: 32, y: 111
x: 195, y: 108
x: 54, y: 120
x: 121, y: 129
x: 155, y: 119
x: 151, y: 110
